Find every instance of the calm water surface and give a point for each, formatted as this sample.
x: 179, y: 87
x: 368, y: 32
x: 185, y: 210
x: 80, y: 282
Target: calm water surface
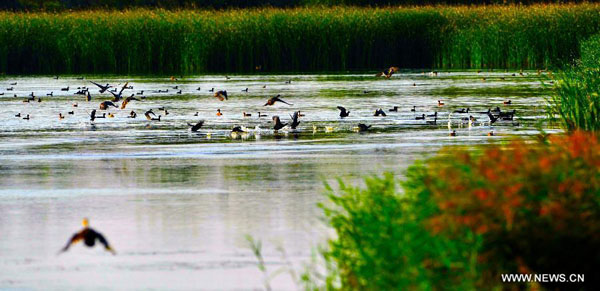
x: 176, y: 205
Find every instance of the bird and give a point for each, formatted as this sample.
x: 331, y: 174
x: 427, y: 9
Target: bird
x: 261, y: 115
x: 414, y: 109
x: 93, y: 115
x: 277, y: 123
x: 26, y: 117
x: 343, y: 112
x: 71, y: 112
x: 88, y: 97
x: 50, y: 94
x: 272, y: 101
x: 219, y: 112
x: 363, y: 127
x: 379, y: 112
x: 492, y: 117
x: 387, y: 73
x: 102, y: 88
x: 221, y: 95
x: 110, y: 115
x: 147, y: 114
x: 508, y: 102
x: 75, y: 105
x: 211, y: 90
x: 394, y: 109
x: 246, y: 114
x: 440, y: 103
x: 245, y: 90
x: 89, y: 237
x: 196, y: 114
x: 65, y: 89
x: 462, y: 110
x: 491, y: 133
x: 119, y: 96
x: 452, y: 133
x: 104, y: 105
x: 18, y: 114
x: 433, y: 115
x: 127, y: 100
x: 422, y: 117
x: 237, y: 129
x: 195, y: 127
x: 295, y: 121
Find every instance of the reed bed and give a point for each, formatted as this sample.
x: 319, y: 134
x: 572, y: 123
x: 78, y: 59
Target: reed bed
x: 144, y: 41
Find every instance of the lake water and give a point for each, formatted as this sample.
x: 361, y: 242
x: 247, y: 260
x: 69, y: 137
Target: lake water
x: 177, y: 205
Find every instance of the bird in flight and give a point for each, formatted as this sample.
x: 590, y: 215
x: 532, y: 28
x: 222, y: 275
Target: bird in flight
x: 388, y: 73
x: 221, y: 95
x: 102, y: 88
x: 272, y: 101
x: 343, y: 112
x: 89, y: 237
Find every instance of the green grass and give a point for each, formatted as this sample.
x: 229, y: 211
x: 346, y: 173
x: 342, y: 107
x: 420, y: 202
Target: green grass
x: 291, y: 40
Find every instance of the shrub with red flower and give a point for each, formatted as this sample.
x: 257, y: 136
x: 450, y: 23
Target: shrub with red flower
x: 535, y: 206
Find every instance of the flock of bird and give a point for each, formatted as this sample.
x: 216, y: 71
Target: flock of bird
x: 117, y: 94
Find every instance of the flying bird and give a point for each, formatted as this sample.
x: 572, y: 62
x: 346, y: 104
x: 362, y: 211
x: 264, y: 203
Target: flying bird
x: 277, y: 123
x: 363, y: 127
x: 127, y: 100
x: 295, y: 121
x: 102, y: 88
x: 119, y: 96
x: 195, y: 127
x: 104, y: 105
x: 89, y: 237
x: 343, y: 112
x: 388, y: 73
x: 221, y: 95
x: 272, y: 101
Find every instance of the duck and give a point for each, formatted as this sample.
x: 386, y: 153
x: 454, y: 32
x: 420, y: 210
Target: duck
x: 387, y: 73
x: 211, y: 90
x: 246, y: 114
x: 245, y: 90
x: 195, y: 127
x: 452, y: 133
x: 110, y: 115
x: 363, y: 127
x: 343, y: 112
x: 26, y: 117
x: 219, y: 112
x: 462, y: 110
x: 394, y: 109
x: 18, y: 114
x: 75, y: 105
x: 127, y: 100
x: 272, y: 101
x: 277, y: 123
x: 414, y: 109
x: 64, y: 89
x: 295, y: 121
x: 508, y: 102
x: 102, y: 88
x: 104, y: 105
x: 132, y: 114
x: 89, y: 237
x: 148, y: 113
x: 71, y: 112
x: 379, y: 112
x: 196, y: 114
x: 50, y: 94
x: 422, y: 117
x: 237, y: 129
x: 440, y: 103
x: 492, y: 118
x: 221, y: 95
x: 261, y: 115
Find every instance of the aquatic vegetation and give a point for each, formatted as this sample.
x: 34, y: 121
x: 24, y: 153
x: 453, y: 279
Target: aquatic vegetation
x: 576, y: 101
x: 466, y: 217
x: 300, y: 39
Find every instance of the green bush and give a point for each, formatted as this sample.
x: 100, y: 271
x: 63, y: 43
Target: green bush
x: 466, y: 217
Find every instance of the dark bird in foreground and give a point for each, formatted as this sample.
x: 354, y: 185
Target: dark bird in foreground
x: 492, y: 117
x: 88, y: 97
x: 272, y: 101
x: 147, y: 114
x: 295, y: 121
x: 343, y: 112
x: 104, y: 105
x: 388, y: 73
x: 89, y: 237
x: 93, y: 115
x: 363, y: 127
x: 132, y: 114
x: 195, y: 127
x: 102, y: 88
x: 221, y: 95
x: 127, y: 100
x: 277, y: 123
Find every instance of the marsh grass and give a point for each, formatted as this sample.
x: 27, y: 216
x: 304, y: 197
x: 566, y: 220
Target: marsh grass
x: 312, y: 39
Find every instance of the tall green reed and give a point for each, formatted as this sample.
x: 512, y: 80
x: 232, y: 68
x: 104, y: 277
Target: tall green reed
x: 301, y: 39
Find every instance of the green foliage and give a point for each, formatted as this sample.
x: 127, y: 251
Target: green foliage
x: 576, y: 101
x: 383, y: 244
x: 468, y: 216
x: 299, y: 39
